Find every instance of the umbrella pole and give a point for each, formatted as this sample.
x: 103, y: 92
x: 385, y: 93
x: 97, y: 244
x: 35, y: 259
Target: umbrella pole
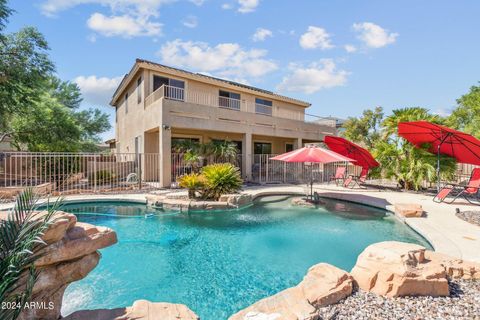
x: 311, y: 182
x: 438, y: 160
x: 438, y: 168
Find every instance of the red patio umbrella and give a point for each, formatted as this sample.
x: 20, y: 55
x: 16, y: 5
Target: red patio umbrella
x: 312, y: 154
x: 349, y: 149
x: 463, y: 147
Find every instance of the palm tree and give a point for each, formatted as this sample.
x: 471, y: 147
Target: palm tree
x: 184, y: 145
x: 400, y: 160
x: 224, y: 151
x: 20, y: 241
x: 390, y: 124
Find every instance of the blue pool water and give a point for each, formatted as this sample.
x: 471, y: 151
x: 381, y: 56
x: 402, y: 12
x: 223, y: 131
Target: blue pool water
x: 218, y: 263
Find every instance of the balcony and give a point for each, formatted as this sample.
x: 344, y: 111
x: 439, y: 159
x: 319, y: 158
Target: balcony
x: 212, y: 100
x: 204, y: 98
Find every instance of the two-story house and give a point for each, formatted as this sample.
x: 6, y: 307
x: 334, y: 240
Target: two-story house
x: 156, y: 104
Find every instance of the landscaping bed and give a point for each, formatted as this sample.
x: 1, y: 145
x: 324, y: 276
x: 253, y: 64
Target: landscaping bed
x: 463, y: 303
x: 472, y: 217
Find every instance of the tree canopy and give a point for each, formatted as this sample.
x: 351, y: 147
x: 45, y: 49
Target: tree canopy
x: 38, y: 110
x: 399, y: 160
x: 466, y: 116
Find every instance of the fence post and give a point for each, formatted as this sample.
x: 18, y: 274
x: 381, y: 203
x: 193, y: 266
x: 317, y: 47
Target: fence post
x: 95, y: 173
x: 139, y: 171
x: 266, y: 168
x: 259, y: 169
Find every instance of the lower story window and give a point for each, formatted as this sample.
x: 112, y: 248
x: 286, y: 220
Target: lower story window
x: 262, y: 148
x: 288, y: 147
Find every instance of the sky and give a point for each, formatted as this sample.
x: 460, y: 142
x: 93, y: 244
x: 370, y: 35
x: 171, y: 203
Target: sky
x: 341, y: 56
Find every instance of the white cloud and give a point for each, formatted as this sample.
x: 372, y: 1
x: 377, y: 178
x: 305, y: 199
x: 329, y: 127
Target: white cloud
x: 190, y: 22
x: 197, y: 2
x: 261, y: 34
x: 97, y: 90
x: 124, y: 26
x: 373, y: 35
x: 313, y: 78
x: 247, y: 6
x: 147, y: 7
x: 227, y: 60
x: 350, y: 48
x: 443, y: 112
x: 315, y: 37
x: 127, y: 18
x: 227, y: 6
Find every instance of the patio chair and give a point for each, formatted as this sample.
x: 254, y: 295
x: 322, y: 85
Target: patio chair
x: 339, y: 175
x: 468, y: 191
x: 359, y: 181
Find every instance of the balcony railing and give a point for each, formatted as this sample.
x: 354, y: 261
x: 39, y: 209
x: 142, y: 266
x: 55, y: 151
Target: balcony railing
x: 174, y: 93
x: 208, y: 99
x: 229, y: 103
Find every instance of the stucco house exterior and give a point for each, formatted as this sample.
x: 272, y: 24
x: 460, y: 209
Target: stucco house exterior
x: 156, y: 104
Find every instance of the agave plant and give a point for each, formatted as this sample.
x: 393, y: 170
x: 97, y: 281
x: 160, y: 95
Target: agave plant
x: 20, y: 241
x: 220, y: 178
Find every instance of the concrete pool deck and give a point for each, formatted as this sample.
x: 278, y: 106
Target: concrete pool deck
x: 447, y: 233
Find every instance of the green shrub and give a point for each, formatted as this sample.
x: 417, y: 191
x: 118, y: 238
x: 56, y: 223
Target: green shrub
x: 192, y: 182
x: 220, y: 178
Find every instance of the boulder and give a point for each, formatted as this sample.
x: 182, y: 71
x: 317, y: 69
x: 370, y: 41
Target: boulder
x: 408, y: 210
x: 140, y: 310
x: 56, y: 276
x: 52, y: 282
x: 236, y: 200
x: 69, y: 255
x: 323, y: 284
x: 44, y: 188
x: 396, y: 269
x: 455, y: 268
x: 56, y: 231
x: 80, y: 240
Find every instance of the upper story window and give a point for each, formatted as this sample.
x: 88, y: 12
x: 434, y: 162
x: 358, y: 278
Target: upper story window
x: 263, y: 106
x: 174, y: 89
x: 126, y: 102
x: 139, y: 90
x: 230, y: 100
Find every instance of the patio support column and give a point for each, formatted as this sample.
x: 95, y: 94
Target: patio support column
x: 165, y: 150
x: 247, y: 156
x: 297, y: 144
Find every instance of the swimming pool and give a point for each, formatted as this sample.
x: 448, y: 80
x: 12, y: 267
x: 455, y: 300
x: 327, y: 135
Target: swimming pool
x: 220, y: 262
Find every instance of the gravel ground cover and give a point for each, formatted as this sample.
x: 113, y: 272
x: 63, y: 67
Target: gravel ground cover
x: 472, y: 217
x: 463, y: 303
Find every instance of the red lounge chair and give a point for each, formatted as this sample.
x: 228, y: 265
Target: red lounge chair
x: 339, y: 175
x: 348, y: 181
x: 351, y: 181
x: 468, y: 191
